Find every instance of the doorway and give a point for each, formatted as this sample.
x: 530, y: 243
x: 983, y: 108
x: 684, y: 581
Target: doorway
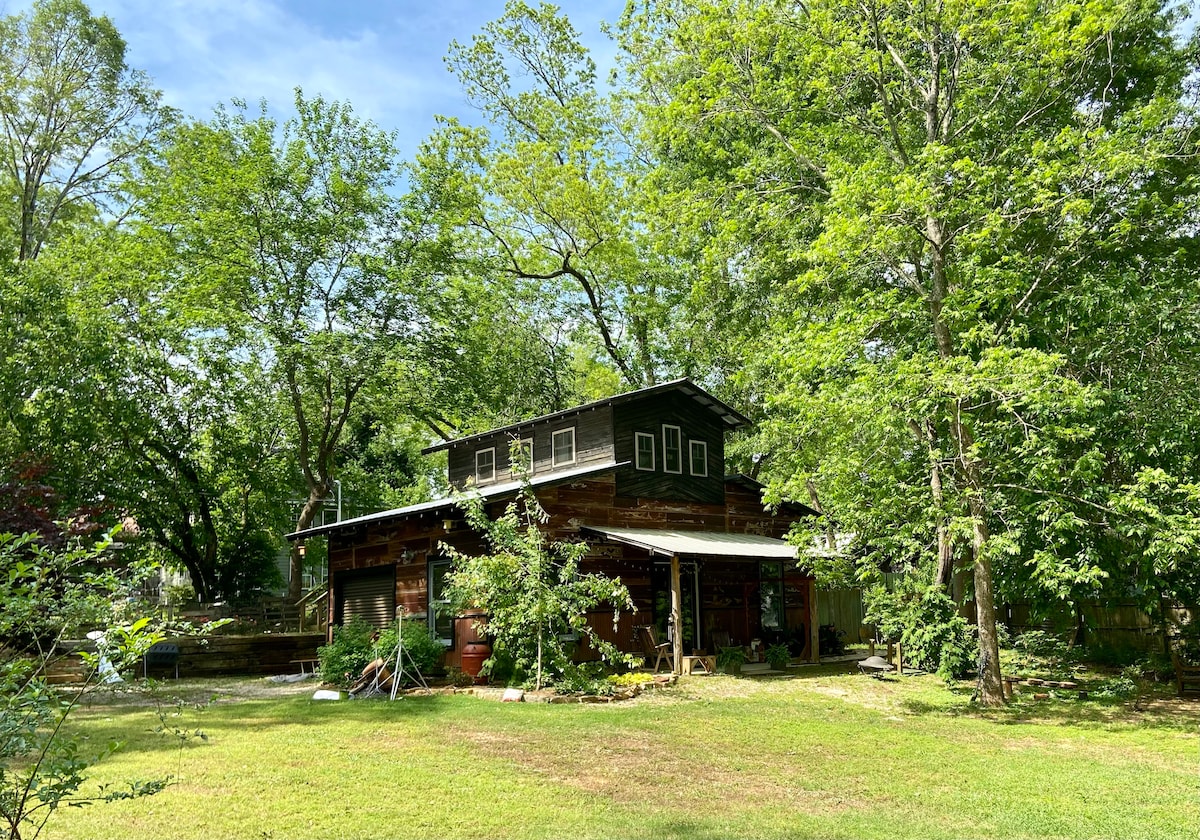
x: 689, y: 614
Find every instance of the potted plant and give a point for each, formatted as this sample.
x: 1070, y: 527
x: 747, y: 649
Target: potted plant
x: 731, y: 659
x: 778, y: 656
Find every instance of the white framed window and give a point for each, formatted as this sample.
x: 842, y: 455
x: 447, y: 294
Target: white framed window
x: 672, y: 449
x: 698, y: 458
x: 525, y: 448
x: 562, y: 447
x: 485, y: 464
x: 643, y: 451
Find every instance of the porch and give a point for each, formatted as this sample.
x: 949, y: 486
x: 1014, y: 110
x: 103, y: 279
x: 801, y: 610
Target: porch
x: 702, y: 591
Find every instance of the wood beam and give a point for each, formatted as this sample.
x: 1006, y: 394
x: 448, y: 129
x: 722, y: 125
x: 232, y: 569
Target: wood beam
x: 814, y: 643
x: 676, y: 615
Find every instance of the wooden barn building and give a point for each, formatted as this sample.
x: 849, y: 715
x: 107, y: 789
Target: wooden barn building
x: 640, y: 477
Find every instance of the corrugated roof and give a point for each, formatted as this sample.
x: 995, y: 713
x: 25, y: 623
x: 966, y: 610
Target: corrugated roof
x: 733, y: 419
x: 711, y: 543
x: 489, y: 492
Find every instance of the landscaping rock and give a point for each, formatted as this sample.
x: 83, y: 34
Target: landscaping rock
x: 513, y: 695
x: 326, y: 694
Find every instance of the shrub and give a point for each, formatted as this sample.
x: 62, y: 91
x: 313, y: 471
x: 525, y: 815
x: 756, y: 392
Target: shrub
x: 926, y: 621
x: 421, y: 647
x: 353, y: 646
x: 357, y: 643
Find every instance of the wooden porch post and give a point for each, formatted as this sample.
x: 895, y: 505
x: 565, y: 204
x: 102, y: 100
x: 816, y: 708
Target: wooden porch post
x: 814, y: 643
x: 676, y: 615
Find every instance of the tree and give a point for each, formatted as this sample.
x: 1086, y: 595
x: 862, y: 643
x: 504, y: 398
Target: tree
x: 71, y: 112
x: 43, y: 595
x: 924, y: 190
x: 284, y: 234
x: 547, y: 195
x: 531, y: 588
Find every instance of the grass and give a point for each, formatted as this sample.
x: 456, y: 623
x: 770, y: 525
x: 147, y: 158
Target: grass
x: 823, y: 754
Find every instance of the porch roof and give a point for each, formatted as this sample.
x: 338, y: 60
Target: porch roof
x: 688, y: 543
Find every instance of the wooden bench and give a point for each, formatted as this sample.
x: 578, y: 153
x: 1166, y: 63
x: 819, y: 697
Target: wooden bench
x: 1187, y: 675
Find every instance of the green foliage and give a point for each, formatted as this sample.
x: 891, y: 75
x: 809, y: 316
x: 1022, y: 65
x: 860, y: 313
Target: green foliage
x: 731, y: 659
x: 425, y: 651
x: 356, y: 643
x: 926, y: 621
x: 353, y: 646
x: 531, y: 589
x: 778, y: 656
x: 960, y: 234
x: 584, y: 678
x: 43, y: 595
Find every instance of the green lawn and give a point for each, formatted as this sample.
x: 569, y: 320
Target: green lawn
x: 822, y: 755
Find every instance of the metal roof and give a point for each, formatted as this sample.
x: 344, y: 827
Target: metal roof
x: 711, y: 543
x: 490, y: 492
x: 733, y: 419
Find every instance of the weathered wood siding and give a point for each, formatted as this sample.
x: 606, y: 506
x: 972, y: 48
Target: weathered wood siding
x: 593, y: 445
x: 695, y: 423
x: 727, y: 587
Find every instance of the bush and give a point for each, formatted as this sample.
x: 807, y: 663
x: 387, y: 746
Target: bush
x: 926, y: 621
x: 419, y: 644
x: 357, y: 643
x: 353, y: 646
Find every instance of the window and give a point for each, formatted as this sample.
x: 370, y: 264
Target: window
x: 643, y: 451
x: 562, y: 447
x: 698, y: 457
x: 525, y: 448
x: 485, y: 464
x: 672, y: 449
x: 441, y: 619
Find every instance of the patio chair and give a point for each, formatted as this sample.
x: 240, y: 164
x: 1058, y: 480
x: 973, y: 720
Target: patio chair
x: 161, y: 655
x: 652, y: 648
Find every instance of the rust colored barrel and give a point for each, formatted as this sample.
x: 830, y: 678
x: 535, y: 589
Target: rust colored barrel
x: 474, y: 654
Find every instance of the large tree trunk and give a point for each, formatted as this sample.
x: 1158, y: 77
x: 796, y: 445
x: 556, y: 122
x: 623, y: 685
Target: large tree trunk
x: 991, y: 690
x: 296, y: 565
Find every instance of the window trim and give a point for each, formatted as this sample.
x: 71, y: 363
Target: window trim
x: 637, y: 451
x: 692, y: 444
x: 554, y: 462
x: 678, y: 449
x: 479, y: 478
x: 521, y: 442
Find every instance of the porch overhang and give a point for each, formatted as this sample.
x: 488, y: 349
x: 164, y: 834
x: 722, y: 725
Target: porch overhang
x: 668, y: 543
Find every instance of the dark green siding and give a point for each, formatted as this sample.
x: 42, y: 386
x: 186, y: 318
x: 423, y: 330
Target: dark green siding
x: 593, y: 445
x: 695, y: 423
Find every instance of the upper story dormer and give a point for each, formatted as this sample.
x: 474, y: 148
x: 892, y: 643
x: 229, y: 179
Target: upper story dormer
x: 664, y: 442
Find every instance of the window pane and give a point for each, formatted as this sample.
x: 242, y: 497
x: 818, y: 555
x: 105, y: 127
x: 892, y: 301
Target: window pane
x: 485, y: 465
x: 644, y: 455
x: 699, y: 457
x: 564, y: 447
x: 672, y: 449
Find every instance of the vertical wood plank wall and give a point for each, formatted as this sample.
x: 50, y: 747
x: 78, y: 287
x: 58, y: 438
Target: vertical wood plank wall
x: 727, y: 586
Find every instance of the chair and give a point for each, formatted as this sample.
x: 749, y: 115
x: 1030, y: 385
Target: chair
x: 163, y: 654
x: 720, y: 640
x: 652, y: 648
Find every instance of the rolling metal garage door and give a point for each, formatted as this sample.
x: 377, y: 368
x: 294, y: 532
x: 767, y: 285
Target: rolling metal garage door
x: 369, y: 594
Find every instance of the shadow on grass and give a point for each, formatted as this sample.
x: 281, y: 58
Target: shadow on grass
x: 1155, y: 711
x: 133, y: 722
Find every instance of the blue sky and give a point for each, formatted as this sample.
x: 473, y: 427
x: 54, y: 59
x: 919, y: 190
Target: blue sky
x: 384, y: 57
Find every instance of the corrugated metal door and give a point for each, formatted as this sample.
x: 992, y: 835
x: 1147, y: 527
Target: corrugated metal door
x: 369, y: 594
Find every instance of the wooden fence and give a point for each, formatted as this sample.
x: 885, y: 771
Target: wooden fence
x: 1114, y: 623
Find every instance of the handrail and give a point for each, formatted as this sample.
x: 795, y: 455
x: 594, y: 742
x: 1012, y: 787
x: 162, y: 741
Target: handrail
x: 321, y: 589
x: 313, y: 596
